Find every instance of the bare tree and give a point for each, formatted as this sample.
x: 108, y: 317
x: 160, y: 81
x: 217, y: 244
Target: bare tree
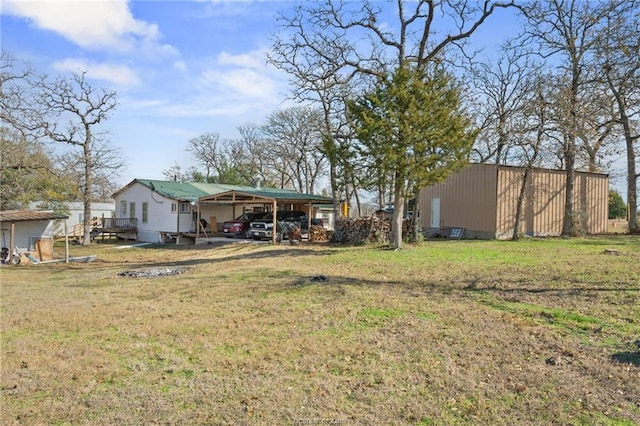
x: 247, y: 155
x: 74, y: 109
x: 617, y: 54
x: 67, y: 111
x: 316, y: 80
x: 176, y: 173
x: 205, y: 149
x: 352, y: 44
x: 533, y: 126
x: 106, y: 165
x: 568, y: 30
x: 294, y: 147
x: 501, y: 87
x: 17, y: 107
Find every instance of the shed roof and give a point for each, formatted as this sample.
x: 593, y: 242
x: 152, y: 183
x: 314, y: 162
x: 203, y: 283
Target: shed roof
x: 29, y: 215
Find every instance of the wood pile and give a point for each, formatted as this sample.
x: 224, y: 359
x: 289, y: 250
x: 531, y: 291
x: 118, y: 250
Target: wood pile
x: 365, y: 230
x: 318, y: 233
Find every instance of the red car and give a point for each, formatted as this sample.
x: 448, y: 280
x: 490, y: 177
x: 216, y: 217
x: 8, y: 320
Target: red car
x: 240, y: 226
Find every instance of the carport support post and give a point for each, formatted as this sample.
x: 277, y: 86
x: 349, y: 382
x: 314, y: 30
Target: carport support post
x: 198, y: 220
x: 275, y: 228
x: 66, y: 241
x: 12, y: 241
x: 309, y: 222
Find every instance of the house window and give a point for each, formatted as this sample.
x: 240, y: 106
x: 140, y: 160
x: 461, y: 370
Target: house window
x: 145, y: 212
x: 184, y: 207
x: 123, y: 208
x: 132, y: 210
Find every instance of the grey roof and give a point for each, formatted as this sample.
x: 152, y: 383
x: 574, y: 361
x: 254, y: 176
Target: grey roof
x: 29, y: 215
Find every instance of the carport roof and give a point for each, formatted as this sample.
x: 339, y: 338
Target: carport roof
x: 260, y: 195
x: 29, y: 215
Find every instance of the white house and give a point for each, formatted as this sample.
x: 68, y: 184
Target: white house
x: 98, y: 210
x: 165, y: 209
x: 75, y: 210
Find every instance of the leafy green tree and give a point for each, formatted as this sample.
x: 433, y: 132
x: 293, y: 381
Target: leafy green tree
x: 412, y: 128
x: 617, y: 206
x: 29, y: 173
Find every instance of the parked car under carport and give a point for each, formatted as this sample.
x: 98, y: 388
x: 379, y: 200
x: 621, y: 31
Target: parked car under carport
x: 240, y: 227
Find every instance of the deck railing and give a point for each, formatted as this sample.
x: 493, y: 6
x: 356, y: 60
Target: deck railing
x: 119, y: 222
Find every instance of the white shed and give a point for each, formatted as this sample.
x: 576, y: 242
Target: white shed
x: 31, y: 230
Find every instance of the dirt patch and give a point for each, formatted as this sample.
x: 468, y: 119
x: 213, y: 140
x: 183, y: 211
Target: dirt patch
x: 152, y: 272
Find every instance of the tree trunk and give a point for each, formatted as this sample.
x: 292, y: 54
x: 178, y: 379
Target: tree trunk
x: 415, y: 220
x: 568, y: 224
x: 356, y: 195
x: 398, y: 212
x: 520, y: 203
x: 88, y: 182
x: 335, y: 193
x: 632, y: 188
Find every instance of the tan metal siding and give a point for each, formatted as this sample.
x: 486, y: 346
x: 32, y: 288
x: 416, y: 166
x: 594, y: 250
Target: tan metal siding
x: 543, y: 210
x: 548, y: 202
x: 482, y: 198
x: 467, y: 199
x: 508, y: 190
x: 592, y: 190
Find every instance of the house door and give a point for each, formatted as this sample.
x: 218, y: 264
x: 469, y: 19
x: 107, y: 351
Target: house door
x: 435, y: 213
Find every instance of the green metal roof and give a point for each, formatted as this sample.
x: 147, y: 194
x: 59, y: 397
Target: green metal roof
x: 182, y: 191
x: 193, y: 191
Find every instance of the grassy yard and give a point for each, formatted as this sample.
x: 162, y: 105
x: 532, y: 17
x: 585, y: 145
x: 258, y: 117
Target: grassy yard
x: 447, y: 332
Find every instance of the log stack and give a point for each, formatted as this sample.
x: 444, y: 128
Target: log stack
x: 365, y: 230
x: 318, y: 233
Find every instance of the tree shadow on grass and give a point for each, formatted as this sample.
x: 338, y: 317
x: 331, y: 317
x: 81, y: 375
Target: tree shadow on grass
x: 263, y: 254
x: 632, y: 358
x: 413, y: 287
x: 499, y: 287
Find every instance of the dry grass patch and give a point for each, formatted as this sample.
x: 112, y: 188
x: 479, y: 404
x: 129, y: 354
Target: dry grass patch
x: 450, y: 332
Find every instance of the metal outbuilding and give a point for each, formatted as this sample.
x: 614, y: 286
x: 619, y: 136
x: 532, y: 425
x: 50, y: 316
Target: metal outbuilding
x: 482, y: 199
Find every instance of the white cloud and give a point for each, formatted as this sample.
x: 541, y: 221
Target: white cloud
x: 238, y: 87
x: 246, y: 76
x: 91, y: 24
x: 255, y: 59
x: 132, y: 104
x: 242, y: 82
x: 118, y: 74
x: 180, y: 66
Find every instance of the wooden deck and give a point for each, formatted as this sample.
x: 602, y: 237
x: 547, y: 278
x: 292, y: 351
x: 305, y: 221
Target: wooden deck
x: 100, y: 227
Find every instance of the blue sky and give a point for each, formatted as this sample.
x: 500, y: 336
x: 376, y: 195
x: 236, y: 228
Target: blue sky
x: 180, y: 68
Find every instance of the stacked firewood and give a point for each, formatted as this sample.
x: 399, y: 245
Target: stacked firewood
x: 318, y: 233
x: 365, y: 230
x: 351, y: 231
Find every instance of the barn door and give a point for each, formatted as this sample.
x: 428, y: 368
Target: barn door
x: 435, y: 213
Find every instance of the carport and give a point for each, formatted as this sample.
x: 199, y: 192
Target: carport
x: 267, y: 196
